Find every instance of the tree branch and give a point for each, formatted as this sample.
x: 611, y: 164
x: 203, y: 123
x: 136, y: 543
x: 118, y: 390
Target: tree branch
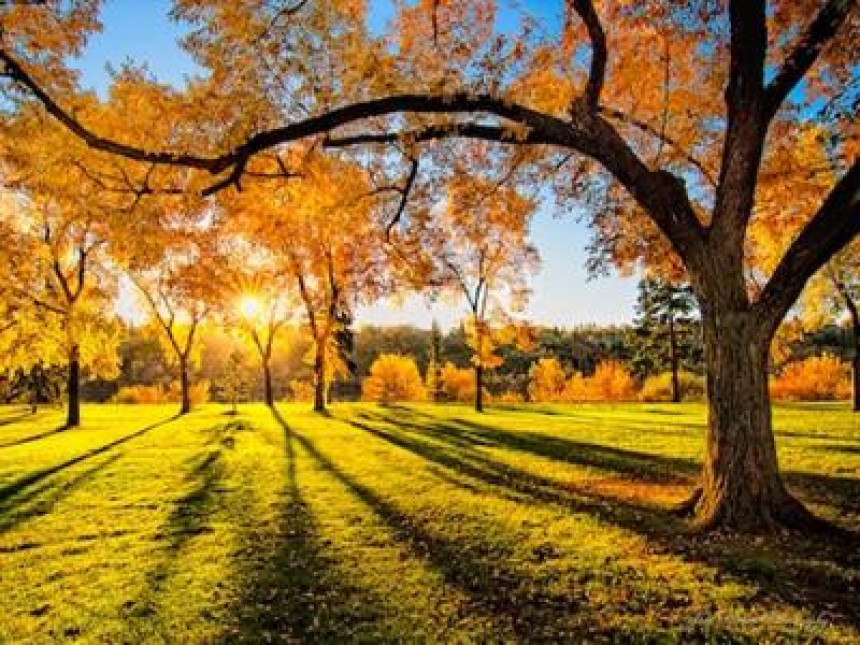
x: 820, y: 31
x: 662, y: 136
x: 835, y: 224
x: 597, y: 69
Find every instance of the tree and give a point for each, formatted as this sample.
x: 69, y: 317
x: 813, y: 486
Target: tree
x: 834, y: 294
x: 59, y: 289
x: 319, y: 230
x: 710, y: 86
x: 260, y: 306
x: 393, y: 378
x: 665, y: 329
x: 485, y: 255
x: 234, y: 382
x: 177, y: 288
x: 433, y: 379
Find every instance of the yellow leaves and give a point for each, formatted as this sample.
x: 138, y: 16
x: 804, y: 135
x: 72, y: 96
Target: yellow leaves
x: 393, y: 378
x: 611, y: 381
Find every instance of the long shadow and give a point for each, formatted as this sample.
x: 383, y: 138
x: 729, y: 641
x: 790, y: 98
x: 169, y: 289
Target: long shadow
x: 8, y: 492
x: 843, y: 493
x: 32, y: 438
x: 294, y: 591
x: 469, y: 434
x: 795, y: 569
x: 481, y: 569
x: 40, y: 500
x: 15, y: 418
x: 189, y: 517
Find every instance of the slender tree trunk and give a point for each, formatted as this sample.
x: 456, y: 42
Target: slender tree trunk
x: 855, y: 361
x: 741, y: 485
x: 268, y: 392
x: 479, y: 388
x: 73, y: 418
x: 185, y: 406
x: 673, y: 357
x: 319, y: 380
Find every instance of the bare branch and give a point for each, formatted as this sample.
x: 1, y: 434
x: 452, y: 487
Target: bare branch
x: 661, y: 136
x: 597, y: 70
x: 404, y: 198
x: 821, y: 30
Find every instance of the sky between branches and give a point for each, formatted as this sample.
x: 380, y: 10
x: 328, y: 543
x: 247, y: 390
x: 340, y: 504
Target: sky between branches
x: 140, y: 30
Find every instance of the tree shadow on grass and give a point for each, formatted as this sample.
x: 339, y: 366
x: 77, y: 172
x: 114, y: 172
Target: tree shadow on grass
x: 482, y: 568
x: 42, y: 498
x: 190, y: 517
x: 35, y: 437
x: 11, y: 493
x: 10, y: 416
x: 293, y: 589
x: 808, y: 572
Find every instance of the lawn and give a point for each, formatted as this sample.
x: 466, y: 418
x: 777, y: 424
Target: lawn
x: 419, y: 523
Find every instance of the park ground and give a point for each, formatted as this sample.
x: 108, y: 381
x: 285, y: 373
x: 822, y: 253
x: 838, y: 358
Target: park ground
x: 421, y: 524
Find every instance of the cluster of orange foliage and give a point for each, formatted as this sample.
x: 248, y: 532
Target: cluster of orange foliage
x: 141, y: 394
x: 458, y: 383
x: 393, y: 378
x: 611, y: 381
x: 818, y: 378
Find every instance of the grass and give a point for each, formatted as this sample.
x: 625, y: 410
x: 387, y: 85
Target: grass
x: 419, y: 524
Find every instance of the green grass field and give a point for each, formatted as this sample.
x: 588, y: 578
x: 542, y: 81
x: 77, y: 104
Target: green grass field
x: 419, y: 524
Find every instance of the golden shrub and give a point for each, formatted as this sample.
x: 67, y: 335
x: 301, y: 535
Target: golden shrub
x: 546, y: 381
x: 393, y: 378
x: 659, y: 387
x: 458, y: 383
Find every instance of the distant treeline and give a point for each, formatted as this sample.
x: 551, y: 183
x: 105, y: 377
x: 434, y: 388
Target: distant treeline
x: 144, y: 363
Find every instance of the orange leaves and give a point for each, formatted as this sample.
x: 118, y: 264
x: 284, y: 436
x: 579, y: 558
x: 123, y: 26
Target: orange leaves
x: 819, y: 378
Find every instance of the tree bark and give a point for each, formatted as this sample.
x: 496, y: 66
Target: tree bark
x: 741, y: 486
x: 268, y: 392
x: 73, y: 417
x: 479, y: 388
x: 319, y: 380
x: 185, y: 405
x: 673, y: 357
x: 855, y: 361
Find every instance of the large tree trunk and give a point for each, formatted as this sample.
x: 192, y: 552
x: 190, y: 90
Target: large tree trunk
x: 268, y: 392
x: 319, y: 380
x: 479, y: 388
x: 741, y: 486
x: 673, y: 356
x: 184, y: 386
x: 73, y: 418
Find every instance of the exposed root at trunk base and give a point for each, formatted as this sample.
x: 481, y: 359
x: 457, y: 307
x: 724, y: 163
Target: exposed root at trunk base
x: 784, y: 513
x: 687, y: 508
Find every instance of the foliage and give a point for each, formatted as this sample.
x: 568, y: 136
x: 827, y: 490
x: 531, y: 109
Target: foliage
x: 547, y: 381
x: 659, y: 387
x: 458, y: 383
x: 147, y: 394
x: 611, y: 381
x: 301, y: 390
x: 393, y: 378
x: 666, y: 331
x: 818, y: 378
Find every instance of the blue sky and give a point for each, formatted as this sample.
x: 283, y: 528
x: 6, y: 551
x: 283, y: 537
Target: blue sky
x: 562, y: 295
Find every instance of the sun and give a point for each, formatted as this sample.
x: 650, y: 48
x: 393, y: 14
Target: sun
x: 250, y: 306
